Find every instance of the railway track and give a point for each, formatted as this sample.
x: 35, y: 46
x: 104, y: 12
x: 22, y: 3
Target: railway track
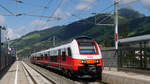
x: 36, y: 77
x: 60, y: 79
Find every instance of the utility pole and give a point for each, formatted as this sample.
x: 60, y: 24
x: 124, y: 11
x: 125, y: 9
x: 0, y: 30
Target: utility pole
x: 116, y: 4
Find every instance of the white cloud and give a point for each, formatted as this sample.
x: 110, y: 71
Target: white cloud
x: 85, y: 4
x: 146, y: 3
x: 12, y: 34
x: 82, y: 7
x: 128, y: 1
x: 60, y: 14
x: 2, y: 20
x: 38, y: 22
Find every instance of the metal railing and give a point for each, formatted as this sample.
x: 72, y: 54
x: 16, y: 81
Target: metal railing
x: 135, y: 56
x: 109, y: 57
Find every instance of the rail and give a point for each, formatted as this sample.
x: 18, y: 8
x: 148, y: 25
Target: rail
x: 36, y: 76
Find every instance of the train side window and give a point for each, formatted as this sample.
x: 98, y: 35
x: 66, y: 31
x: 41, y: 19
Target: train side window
x: 63, y: 55
x: 53, y: 58
x: 46, y: 56
x: 41, y: 57
x: 59, y: 52
x: 69, y: 52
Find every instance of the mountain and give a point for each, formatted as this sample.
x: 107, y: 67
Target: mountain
x: 130, y: 13
x: 40, y: 40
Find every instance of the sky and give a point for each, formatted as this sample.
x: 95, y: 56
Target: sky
x: 24, y: 16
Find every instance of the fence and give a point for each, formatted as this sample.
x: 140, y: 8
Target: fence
x: 109, y: 57
x: 133, y: 54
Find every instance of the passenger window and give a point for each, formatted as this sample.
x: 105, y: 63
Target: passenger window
x: 59, y: 52
x: 69, y: 52
x: 41, y: 57
x: 45, y: 56
x: 53, y: 58
x: 63, y: 55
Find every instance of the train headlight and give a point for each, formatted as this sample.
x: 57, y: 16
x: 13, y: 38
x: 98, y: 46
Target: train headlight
x: 97, y: 61
x: 83, y: 61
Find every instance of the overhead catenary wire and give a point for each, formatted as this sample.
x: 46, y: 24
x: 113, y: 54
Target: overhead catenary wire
x: 7, y: 15
x: 48, y: 7
x: 45, y: 7
x: 112, y: 5
x: 35, y: 10
x: 7, y: 9
x: 60, y: 3
x: 108, y: 17
x: 98, y: 17
x: 30, y: 4
x: 34, y: 15
x: 42, y: 7
x: 52, y: 15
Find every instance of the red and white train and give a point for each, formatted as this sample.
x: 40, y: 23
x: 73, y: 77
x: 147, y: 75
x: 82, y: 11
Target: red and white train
x: 82, y: 56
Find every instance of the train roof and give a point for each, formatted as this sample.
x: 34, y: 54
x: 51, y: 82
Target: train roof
x: 63, y: 45
x: 54, y: 48
x: 83, y: 37
x: 135, y: 39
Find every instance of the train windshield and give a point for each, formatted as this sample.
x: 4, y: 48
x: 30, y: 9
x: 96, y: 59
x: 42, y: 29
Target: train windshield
x: 86, y: 46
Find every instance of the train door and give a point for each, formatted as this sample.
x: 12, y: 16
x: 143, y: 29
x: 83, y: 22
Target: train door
x: 59, y: 58
x: 64, y: 55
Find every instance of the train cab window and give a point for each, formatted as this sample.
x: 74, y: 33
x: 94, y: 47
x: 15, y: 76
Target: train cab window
x: 86, y: 46
x: 63, y: 55
x: 69, y: 52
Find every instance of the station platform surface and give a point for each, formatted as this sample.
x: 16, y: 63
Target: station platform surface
x: 120, y: 77
x: 15, y: 75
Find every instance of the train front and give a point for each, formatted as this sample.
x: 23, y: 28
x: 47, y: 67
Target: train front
x: 87, y: 57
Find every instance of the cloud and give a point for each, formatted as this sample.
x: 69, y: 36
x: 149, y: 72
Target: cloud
x: 2, y: 20
x: 85, y: 4
x: 60, y: 14
x: 38, y: 22
x: 146, y: 3
x: 12, y: 34
x: 129, y: 2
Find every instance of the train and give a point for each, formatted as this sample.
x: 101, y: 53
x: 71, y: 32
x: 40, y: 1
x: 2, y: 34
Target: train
x: 6, y: 57
x: 81, y: 57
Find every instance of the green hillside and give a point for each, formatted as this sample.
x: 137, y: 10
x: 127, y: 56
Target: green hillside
x: 128, y: 26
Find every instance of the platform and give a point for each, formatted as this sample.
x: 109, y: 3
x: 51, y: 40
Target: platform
x: 15, y: 75
x: 119, y: 77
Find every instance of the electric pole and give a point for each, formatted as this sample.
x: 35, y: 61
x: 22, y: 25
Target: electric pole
x: 116, y: 4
